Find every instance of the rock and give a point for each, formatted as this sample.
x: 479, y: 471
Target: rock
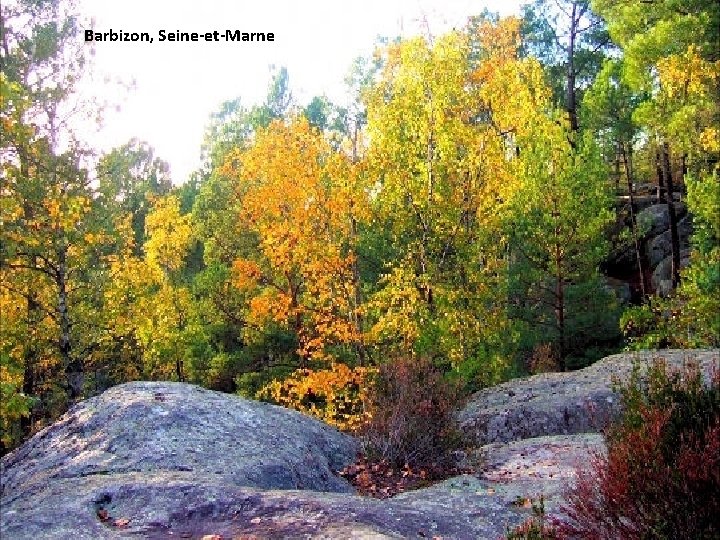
x: 659, y: 247
x: 661, y: 278
x: 654, y: 219
x: 653, y: 224
x: 540, y: 466
x: 169, y: 460
x: 159, y: 427
x: 560, y: 403
x: 184, y: 505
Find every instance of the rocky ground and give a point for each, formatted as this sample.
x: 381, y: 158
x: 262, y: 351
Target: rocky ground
x: 168, y: 460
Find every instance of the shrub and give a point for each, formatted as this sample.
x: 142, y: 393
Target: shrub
x: 334, y: 395
x: 535, y: 527
x: 660, y: 477
x: 411, y: 423
x: 543, y: 359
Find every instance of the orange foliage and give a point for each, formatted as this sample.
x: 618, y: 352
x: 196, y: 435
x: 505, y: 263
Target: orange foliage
x: 301, y: 200
x: 336, y: 395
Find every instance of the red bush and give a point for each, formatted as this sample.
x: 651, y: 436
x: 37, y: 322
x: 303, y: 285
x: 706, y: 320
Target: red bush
x: 411, y: 422
x: 661, y: 475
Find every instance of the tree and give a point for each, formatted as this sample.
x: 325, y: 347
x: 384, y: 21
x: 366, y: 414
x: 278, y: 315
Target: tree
x: 444, y: 121
x: 609, y: 106
x: 557, y: 235
x: 128, y: 176
x: 54, y: 238
x: 160, y: 318
x: 670, y: 52
x: 298, y: 200
x: 571, y: 41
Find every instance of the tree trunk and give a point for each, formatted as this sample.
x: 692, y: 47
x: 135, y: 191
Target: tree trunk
x: 559, y: 299
x: 661, y: 193
x: 560, y: 317
x: 74, y: 375
x: 357, y: 300
x: 674, y: 239
x: 30, y: 358
x: 627, y: 157
x: 571, y: 93
x: 179, y: 369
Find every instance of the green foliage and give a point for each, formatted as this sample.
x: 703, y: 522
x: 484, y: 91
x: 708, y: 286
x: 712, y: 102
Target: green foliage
x: 690, y: 318
x: 546, y: 29
x: 14, y: 404
x: 129, y: 177
x: 557, y: 241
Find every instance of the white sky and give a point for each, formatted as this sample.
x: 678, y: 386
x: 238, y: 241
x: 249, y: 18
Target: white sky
x: 178, y: 85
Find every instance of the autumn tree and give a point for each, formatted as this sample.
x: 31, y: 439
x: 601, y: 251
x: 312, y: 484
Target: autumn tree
x: 444, y: 120
x: 53, y: 235
x: 128, y: 176
x: 298, y: 200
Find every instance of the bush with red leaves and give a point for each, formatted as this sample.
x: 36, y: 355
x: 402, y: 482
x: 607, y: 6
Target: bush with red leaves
x: 661, y: 475
x: 412, y: 422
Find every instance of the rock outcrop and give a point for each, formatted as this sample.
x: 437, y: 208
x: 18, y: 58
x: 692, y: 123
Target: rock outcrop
x: 169, y: 460
x: 153, y: 427
x: 561, y: 403
x: 653, y: 224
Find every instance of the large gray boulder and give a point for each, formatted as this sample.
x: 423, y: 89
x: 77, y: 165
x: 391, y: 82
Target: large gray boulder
x: 655, y: 220
x: 661, y: 279
x: 158, y: 427
x: 184, y: 505
x: 660, y: 246
x: 170, y: 460
x: 580, y: 401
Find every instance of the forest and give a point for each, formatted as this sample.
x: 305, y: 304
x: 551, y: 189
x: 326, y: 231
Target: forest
x: 473, y: 209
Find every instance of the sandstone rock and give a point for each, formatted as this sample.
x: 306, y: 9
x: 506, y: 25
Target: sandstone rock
x: 661, y: 278
x: 181, y: 504
x: 560, y: 403
x: 659, y: 247
x: 184, y: 505
x: 654, y: 219
x: 164, y: 426
x: 168, y: 460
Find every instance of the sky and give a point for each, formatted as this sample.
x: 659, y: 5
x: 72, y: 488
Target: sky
x: 164, y: 93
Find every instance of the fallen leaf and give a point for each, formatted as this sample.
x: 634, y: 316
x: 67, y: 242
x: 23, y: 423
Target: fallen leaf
x: 121, y: 522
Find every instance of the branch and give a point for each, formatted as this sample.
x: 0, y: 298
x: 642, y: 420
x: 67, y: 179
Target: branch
x: 14, y: 266
x: 30, y: 298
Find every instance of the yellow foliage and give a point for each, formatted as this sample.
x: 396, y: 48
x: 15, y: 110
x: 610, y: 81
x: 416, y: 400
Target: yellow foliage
x: 170, y: 235
x: 336, y: 395
x: 300, y: 199
x: 445, y: 120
